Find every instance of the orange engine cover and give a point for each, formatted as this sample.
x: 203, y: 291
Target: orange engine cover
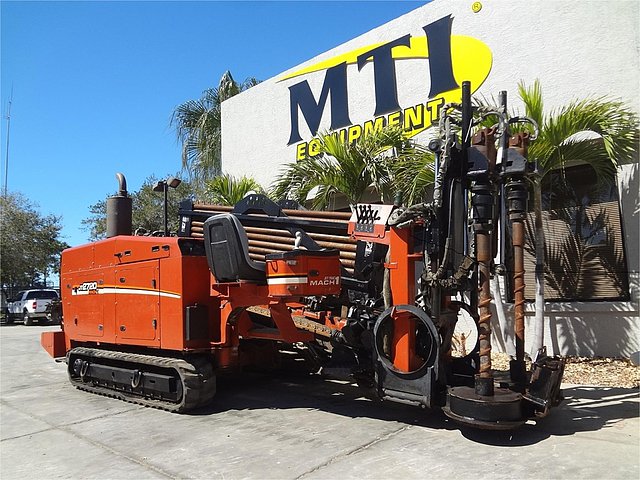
x: 303, y: 273
x: 144, y: 291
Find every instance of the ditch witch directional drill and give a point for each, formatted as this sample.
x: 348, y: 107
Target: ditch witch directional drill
x: 394, y: 298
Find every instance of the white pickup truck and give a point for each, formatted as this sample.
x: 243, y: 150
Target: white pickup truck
x: 30, y: 305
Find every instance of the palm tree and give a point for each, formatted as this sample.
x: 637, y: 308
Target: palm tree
x: 226, y: 189
x: 599, y: 132
x: 348, y: 168
x: 198, y: 127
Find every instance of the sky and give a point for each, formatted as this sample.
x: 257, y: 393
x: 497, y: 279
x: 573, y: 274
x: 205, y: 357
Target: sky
x: 95, y: 83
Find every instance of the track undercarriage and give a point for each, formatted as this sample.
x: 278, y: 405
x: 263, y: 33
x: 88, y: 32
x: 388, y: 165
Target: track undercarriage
x: 172, y: 384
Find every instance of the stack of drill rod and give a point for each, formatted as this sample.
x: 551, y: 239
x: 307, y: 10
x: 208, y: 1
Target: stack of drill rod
x: 274, y: 239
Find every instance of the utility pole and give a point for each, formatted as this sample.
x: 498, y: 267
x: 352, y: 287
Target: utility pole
x: 6, y: 161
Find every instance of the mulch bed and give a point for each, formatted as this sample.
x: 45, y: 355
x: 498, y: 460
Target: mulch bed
x: 601, y: 372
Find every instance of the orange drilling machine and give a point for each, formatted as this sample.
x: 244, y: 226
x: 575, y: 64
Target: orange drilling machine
x: 394, y: 298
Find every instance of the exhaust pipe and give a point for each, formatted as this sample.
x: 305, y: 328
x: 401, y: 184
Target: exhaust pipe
x: 119, y: 209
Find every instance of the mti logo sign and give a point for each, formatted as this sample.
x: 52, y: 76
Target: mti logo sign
x: 451, y: 59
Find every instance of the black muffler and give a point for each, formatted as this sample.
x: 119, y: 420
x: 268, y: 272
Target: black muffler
x: 119, y: 209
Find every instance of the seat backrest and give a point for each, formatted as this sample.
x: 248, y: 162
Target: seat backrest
x: 227, y: 249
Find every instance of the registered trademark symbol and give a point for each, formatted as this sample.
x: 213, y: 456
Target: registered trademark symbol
x: 476, y: 7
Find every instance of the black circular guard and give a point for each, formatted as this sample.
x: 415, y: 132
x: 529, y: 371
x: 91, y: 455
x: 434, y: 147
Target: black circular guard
x: 501, y: 411
x: 429, y: 341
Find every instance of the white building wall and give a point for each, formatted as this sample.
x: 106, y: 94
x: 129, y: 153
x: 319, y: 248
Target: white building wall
x: 576, y: 48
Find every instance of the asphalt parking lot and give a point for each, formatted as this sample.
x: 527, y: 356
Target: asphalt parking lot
x: 289, y: 428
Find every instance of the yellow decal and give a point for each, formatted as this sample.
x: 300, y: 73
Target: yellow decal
x: 463, y: 49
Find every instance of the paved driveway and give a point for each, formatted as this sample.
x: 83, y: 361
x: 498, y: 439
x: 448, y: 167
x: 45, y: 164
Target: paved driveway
x: 288, y: 428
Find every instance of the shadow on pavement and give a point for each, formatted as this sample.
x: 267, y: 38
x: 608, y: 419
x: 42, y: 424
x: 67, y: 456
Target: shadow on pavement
x: 12, y: 324
x: 585, y: 408
x: 286, y: 390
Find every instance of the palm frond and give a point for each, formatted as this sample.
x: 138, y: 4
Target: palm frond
x: 198, y: 125
x: 413, y: 173
x: 533, y: 102
x: 364, y: 163
x: 249, y: 82
x: 347, y: 168
x: 599, y: 132
x: 296, y: 180
x: 226, y: 189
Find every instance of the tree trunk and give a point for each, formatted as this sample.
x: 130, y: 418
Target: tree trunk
x: 538, y: 324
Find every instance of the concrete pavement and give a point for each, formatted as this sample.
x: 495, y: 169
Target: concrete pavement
x: 290, y: 428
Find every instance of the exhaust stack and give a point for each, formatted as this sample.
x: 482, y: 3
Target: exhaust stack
x: 119, y: 210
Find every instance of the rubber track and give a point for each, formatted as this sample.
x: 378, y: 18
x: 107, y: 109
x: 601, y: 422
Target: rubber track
x: 196, y: 375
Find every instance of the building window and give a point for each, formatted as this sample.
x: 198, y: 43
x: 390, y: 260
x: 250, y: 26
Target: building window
x: 585, y: 258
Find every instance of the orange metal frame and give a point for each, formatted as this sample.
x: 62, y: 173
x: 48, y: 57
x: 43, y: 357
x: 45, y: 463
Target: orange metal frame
x: 234, y: 298
x: 134, y: 291
x: 401, y: 266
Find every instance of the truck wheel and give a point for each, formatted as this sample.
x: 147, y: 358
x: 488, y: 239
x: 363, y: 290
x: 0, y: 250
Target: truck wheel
x: 27, y: 319
x: 8, y: 318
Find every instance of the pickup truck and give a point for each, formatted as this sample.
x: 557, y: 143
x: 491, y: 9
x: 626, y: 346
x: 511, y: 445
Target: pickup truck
x: 30, y: 305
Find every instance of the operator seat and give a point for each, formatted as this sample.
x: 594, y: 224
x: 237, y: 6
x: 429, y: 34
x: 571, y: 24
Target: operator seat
x: 227, y: 249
